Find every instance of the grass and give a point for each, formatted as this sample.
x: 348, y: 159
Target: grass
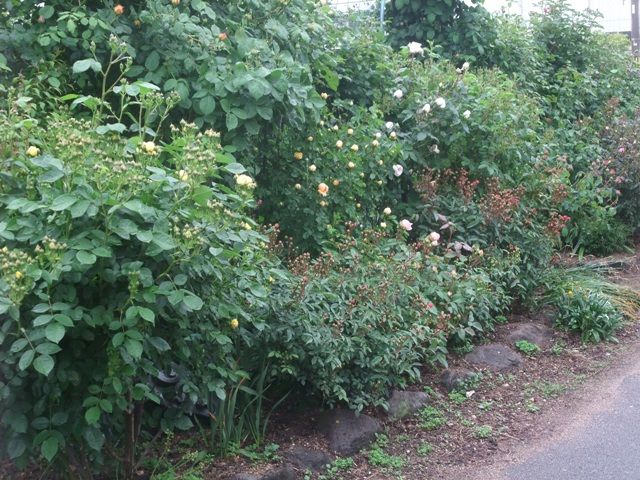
x: 432, y: 418
x: 483, y: 432
x: 590, y: 279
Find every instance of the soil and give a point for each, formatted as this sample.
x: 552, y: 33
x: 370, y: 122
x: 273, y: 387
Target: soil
x: 489, y: 418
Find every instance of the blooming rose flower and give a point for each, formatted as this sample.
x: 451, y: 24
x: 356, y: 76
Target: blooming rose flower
x: 118, y: 9
x: 298, y: 155
x: 441, y: 102
x: 32, y: 151
x: 297, y: 186
x: 310, y: 139
x: 312, y: 168
x: 336, y: 182
x: 415, y: 48
x: 435, y: 149
x: 336, y: 128
x: 383, y: 224
x: 397, y: 170
x: 245, y: 181
x: 389, y: 125
x: 351, y: 165
x: 148, y: 147
x: 379, y: 135
x: 183, y: 175
x: 358, y: 205
x: 339, y: 144
x: 223, y: 36
x: 398, y: 94
x: 323, y: 203
x: 621, y: 150
x: 387, y: 211
x: 354, y: 147
x: 350, y: 131
x: 380, y: 162
x: 426, y: 108
x: 406, y: 224
x: 375, y: 143
x: 324, y: 95
x: 465, y: 66
x: 466, y: 114
x: 323, y: 189
x: 393, y: 135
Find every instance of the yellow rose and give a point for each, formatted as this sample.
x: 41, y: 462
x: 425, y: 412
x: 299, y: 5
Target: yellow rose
x: 19, y: 275
x: 183, y: 175
x: 298, y: 155
x: 33, y: 151
x: 323, y: 189
x: 234, y: 323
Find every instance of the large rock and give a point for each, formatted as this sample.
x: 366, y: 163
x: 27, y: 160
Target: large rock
x: 404, y: 403
x: 494, y: 356
x: 453, y: 378
x: 282, y: 473
x: 308, y: 459
x: 347, y: 432
x: 536, y: 333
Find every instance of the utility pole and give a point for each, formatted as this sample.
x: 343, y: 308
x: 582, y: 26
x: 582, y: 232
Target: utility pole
x: 635, y: 28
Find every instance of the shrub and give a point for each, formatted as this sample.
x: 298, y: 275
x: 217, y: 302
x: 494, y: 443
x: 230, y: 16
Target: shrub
x: 234, y: 70
x: 590, y: 314
x: 362, y: 320
x: 120, y: 259
x: 315, y: 183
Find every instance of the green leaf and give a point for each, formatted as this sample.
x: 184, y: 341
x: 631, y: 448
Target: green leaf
x: 164, y: 241
x: 106, y: 406
x: 26, y: 359
x: 16, y: 447
x: 153, y: 61
x: 49, y: 448
x: 48, y: 348
x: 159, y: 344
x: 18, y: 422
x: 92, y: 415
x: 207, y: 105
x: 80, y: 208
x: 86, y: 64
x: 147, y: 314
x: 86, y: 258
x: 235, y: 168
x: 232, y: 121
x: 54, y: 332
x: 193, y: 302
x: 94, y: 437
x: 133, y: 347
x: 44, y: 364
x: 63, y: 202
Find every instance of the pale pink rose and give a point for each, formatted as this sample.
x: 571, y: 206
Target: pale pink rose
x: 406, y: 224
x: 397, y: 170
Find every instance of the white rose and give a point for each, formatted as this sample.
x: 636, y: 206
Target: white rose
x: 387, y: 211
x: 435, y: 149
x: 441, y: 102
x: 465, y: 66
x: 415, y: 48
x: 389, y: 125
x: 398, y: 94
x: 397, y: 170
x: 466, y: 114
x: 426, y: 108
